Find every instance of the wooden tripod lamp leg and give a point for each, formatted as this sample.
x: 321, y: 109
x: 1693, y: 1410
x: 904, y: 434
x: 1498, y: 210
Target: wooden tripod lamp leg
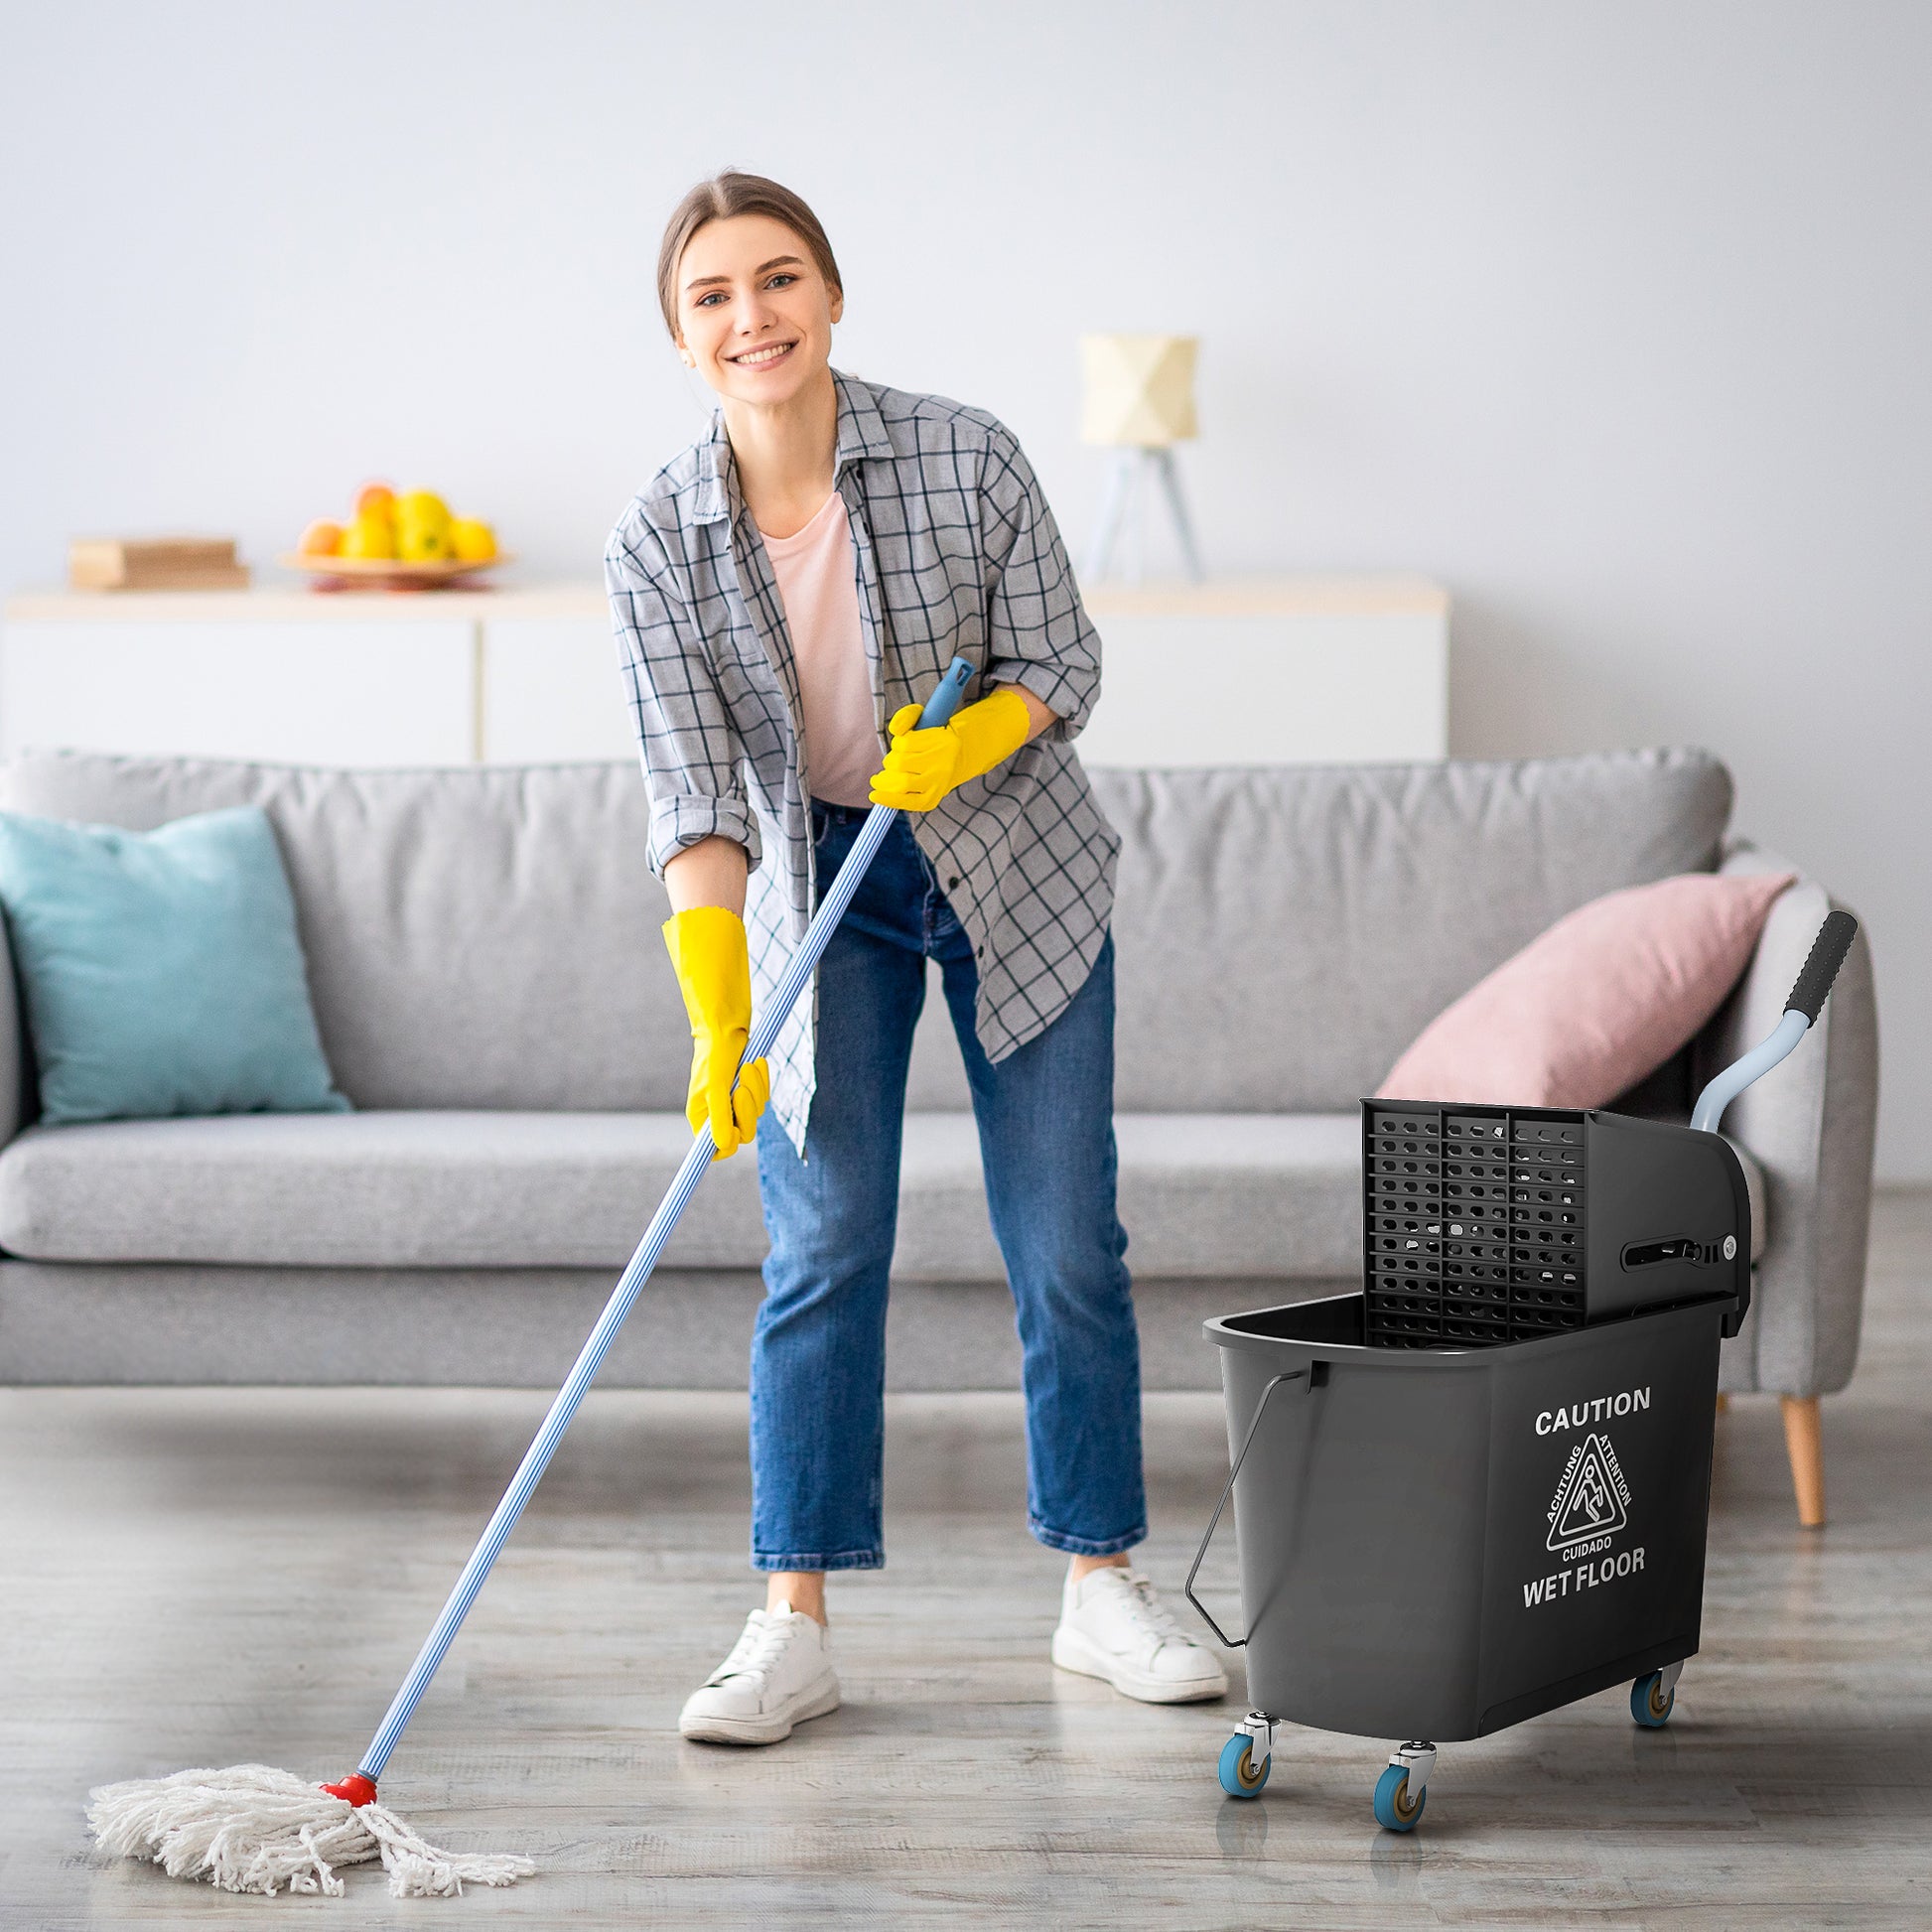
x: 1805, y: 1443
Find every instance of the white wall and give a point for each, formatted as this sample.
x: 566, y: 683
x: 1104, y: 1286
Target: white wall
x: 1615, y: 316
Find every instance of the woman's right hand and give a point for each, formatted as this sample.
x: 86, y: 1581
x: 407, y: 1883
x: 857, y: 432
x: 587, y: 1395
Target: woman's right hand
x: 709, y: 951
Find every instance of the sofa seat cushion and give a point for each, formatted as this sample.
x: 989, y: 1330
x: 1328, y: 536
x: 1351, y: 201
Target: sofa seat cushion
x: 1254, y: 1195
x: 1242, y: 1195
x: 393, y: 1189
x: 1234, y: 1194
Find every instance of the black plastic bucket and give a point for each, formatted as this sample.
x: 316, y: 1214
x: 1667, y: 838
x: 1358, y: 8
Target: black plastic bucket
x: 1441, y: 1543
x: 1480, y: 1487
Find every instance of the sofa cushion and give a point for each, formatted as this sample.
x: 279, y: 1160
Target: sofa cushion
x: 1233, y: 1195
x: 477, y: 938
x: 399, y: 1189
x: 487, y: 937
x: 1319, y: 917
x: 1230, y: 1195
x: 1240, y: 1195
x: 1236, y: 1195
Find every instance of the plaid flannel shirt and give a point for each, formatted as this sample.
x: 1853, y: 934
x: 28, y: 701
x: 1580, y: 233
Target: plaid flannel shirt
x: 956, y: 554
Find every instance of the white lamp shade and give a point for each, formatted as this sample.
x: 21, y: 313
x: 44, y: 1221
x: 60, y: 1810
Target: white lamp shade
x: 1140, y: 390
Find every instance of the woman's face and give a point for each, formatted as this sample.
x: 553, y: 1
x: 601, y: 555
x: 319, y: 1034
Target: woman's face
x: 755, y: 315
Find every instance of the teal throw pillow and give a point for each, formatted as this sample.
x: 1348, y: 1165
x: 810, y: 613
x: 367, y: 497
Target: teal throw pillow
x: 161, y: 969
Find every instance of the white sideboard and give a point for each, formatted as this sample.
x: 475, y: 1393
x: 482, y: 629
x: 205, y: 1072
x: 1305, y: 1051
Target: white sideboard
x: 427, y: 677
x: 1271, y: 670
x: 1264, y: 671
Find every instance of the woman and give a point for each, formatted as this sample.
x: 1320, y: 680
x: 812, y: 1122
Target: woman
x: 801, y: 575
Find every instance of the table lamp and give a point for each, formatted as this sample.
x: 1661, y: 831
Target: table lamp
x: 1140, y: 402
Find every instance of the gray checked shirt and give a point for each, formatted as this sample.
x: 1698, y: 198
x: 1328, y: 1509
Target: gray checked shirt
x: 957, y: 555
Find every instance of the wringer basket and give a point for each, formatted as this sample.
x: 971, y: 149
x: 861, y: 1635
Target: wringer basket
x: 1474, y: 1220
x: 1489, y: 1225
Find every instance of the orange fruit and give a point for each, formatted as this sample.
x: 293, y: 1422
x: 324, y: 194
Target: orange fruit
x: 320, y: 539
x: 375, y: 499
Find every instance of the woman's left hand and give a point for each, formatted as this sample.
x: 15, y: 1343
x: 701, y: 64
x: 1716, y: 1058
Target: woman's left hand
x: 923, y: 767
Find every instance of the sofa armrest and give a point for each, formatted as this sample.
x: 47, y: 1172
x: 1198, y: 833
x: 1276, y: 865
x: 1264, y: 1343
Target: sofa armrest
x: 15, y: 1061
x: 1810, y: 1124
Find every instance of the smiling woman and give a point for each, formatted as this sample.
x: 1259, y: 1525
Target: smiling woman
x: 751, y: 303
x: 720, y: 199
x: 785, y: 593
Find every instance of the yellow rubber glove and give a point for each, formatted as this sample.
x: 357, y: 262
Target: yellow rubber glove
x: 921, y: 767
x: 713, y: 972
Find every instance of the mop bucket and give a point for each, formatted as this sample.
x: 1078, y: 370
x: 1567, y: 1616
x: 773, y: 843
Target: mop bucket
x: 1480, y: 1488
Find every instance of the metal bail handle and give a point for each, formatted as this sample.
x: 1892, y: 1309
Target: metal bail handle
x: 1213, y: 1522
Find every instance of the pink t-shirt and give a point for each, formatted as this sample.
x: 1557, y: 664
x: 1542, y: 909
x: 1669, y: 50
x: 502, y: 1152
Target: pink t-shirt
x: 819, y: 588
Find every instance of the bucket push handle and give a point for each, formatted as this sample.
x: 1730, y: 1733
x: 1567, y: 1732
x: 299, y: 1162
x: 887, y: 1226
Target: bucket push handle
x: 1801, y: 1011
x: 1213, y: 1522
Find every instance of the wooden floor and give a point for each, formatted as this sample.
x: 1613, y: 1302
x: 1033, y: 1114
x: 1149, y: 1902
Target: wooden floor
x: 197, y: 1578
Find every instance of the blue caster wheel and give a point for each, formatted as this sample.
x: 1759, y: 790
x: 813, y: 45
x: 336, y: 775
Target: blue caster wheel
x: 1239, y: 1778
x: 1394, y: 1809
x: 1650, y: 1704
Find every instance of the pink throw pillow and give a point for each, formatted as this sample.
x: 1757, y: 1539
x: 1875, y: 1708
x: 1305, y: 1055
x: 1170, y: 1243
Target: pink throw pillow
x: 1602, y: 997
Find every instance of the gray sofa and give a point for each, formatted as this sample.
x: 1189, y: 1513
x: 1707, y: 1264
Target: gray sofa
x: 494, y: 996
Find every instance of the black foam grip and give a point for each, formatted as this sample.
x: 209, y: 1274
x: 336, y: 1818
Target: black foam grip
x: 1828, y: 952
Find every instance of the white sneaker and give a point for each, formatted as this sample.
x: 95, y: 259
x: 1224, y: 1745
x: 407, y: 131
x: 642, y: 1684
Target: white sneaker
x: 1114, y: 1626
x: 779, y: 1673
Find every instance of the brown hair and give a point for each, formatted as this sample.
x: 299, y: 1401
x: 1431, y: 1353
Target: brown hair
x: 717, y: 200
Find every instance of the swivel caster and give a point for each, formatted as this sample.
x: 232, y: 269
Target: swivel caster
x: 1247, y: 1758
x: 1403, y: 1789
x: 1240, y: 1777
x: 1654, y: 1697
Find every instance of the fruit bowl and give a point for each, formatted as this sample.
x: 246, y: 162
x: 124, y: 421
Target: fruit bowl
x: 388, y: 573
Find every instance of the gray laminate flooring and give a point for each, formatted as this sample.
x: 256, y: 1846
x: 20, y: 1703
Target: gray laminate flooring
x: 203, y: 1576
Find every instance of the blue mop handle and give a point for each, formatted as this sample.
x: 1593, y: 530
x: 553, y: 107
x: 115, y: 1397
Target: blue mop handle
x: 536, y: 1459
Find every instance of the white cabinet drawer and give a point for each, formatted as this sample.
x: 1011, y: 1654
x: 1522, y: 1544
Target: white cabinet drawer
x: 552, y: 691
x: 304, y: 693
x: 1271, y: 671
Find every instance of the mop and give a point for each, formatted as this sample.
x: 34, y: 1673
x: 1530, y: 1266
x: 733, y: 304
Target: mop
x: 251, y: 1829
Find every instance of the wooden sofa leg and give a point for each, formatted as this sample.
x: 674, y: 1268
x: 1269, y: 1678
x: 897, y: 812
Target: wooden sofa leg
x: 1805, y: 1443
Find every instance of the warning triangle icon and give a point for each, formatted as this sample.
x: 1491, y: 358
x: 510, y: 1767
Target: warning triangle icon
x: 1590, y: 1500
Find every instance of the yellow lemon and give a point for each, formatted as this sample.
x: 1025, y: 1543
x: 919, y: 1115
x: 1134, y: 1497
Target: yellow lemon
x: 422, y: 527
x: 421, y: 506
x: 369, y: 535
x: 471, y: 541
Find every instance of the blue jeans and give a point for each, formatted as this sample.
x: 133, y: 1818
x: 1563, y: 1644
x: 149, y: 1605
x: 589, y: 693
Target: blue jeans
x: 1046, y: 1143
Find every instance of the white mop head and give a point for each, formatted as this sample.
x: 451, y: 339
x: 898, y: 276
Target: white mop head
x: 252, y: 1829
